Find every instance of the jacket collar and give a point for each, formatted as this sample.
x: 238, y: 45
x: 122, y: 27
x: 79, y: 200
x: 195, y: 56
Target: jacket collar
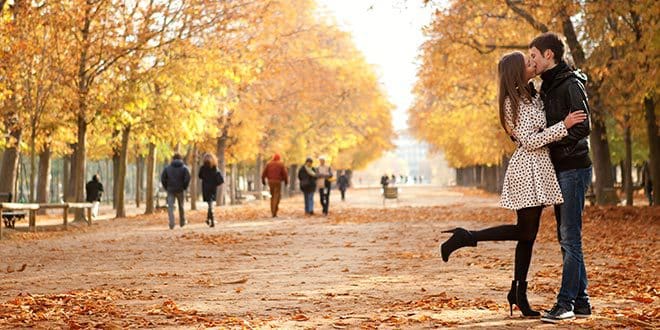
x: 555, y: 75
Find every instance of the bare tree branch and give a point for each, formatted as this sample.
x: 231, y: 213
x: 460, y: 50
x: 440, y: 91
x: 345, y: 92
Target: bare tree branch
x: 527, y: 16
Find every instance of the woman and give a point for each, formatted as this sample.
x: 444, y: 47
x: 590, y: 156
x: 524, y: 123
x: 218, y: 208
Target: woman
x: 530, y: 182
x: 342, y: 182
x: 307, y: 176
x: 211, y: 179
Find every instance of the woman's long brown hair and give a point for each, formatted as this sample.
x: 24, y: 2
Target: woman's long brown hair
x: 511, y: 70
x: 210, y: 160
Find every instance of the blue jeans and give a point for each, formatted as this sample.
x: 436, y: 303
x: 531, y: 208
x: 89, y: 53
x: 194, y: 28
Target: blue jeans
x: 573, y: 184
x: 309, y: 201
x: 170, y: 208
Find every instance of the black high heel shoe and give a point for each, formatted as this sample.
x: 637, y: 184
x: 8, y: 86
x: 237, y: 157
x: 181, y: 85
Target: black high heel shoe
x: 459, y: 239
x: 518, y: 296
x: 511, y: 296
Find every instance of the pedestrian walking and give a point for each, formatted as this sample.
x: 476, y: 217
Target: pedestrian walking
x: 211, y: 180
x: 307, y: 179
x: 275, y: 174
x: 342, y: 183
x: 323, y: 183
x: 175, y: 178
x: 94, y: 189
x: 384, y: 181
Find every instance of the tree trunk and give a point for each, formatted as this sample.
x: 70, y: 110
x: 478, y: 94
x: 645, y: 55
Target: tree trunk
x: 490, y: 178
x: 293, y: 177
x: 627, y: 165
x: 108, y: 179
x: 654, y: 146
x: 9, y: 171
x: 44, y: 176
x: 66, y: 178
x: 33, y: 165
x: 220, y: 154
x: 116, y: 164
x: 233, y: 184
x: 151, y: 168
x: 258, y: 168
x: 602, y: 163
x: 55, y: 184
x: 194, y: 181
x: 139, y: 178
x: 78, y: 170
x: 121, y: 178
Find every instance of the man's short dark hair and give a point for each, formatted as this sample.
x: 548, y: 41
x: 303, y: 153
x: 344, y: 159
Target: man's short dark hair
x: 549, y: 40
x: 177, y: 156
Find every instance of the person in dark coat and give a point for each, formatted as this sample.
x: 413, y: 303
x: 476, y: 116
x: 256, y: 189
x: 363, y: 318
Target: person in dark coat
x: 175, y: 179
x: 342, y: 182
x: 647, y: 182
x: 211, y: 179
x: 307, y: 177
x: 384, y: 181
x: 94, y: 190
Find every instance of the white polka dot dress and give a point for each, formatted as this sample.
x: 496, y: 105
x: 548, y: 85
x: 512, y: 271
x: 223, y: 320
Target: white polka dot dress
x: 530, y: 178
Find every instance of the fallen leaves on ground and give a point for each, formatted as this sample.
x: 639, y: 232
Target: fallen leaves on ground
x: 214, y: 239
x: 103, y: 308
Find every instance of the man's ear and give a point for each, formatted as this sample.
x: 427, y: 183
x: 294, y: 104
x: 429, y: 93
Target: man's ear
x: 549, y: 55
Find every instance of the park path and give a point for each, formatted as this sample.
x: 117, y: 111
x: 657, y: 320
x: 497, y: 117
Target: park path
x: 363, y: 266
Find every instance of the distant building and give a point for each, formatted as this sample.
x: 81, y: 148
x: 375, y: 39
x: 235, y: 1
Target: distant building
x: 415, y: 154
x: 412, y: 159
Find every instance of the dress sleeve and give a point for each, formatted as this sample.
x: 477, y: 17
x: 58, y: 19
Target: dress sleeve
x: 525, y: 132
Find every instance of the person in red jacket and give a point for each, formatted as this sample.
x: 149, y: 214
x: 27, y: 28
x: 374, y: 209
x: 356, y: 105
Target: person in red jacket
x: 275, y: 173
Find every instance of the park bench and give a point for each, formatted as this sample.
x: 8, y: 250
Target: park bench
x: 32, y: 208
x: 390, y: 193
x: 591, y: 195
x: 10, y: 216
x: 13, y: 207
x: 161, y: 194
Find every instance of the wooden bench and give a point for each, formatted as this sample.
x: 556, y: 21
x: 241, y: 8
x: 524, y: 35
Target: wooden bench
x: 390, y: 193
x: 84, y: 206
x: 590, y: 195
x: 10, y: 217
x: 158, y: 195
x: 32, y: 210
x: 65, y: 210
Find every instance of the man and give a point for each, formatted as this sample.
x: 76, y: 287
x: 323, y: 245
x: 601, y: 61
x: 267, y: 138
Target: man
x: 307, y: 179
x: 384, y: 181
x: 275, y: 173
x: 94, y: 189
x: 562, y: 92
x: 175, y: 179
x: 324, y: 175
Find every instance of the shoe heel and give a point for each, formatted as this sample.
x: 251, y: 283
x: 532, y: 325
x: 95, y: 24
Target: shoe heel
x: 510, y: 309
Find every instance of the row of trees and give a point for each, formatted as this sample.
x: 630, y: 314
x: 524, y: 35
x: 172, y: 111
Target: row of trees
x: 138, y: 80
x: 614, y: 42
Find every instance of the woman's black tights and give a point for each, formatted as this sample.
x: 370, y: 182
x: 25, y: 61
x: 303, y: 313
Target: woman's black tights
x: 524, y: 232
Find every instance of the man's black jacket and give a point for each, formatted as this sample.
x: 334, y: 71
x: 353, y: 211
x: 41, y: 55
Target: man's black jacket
x: 562, y: 92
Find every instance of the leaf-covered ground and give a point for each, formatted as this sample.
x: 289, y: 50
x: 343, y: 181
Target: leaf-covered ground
x: 364, y: 266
